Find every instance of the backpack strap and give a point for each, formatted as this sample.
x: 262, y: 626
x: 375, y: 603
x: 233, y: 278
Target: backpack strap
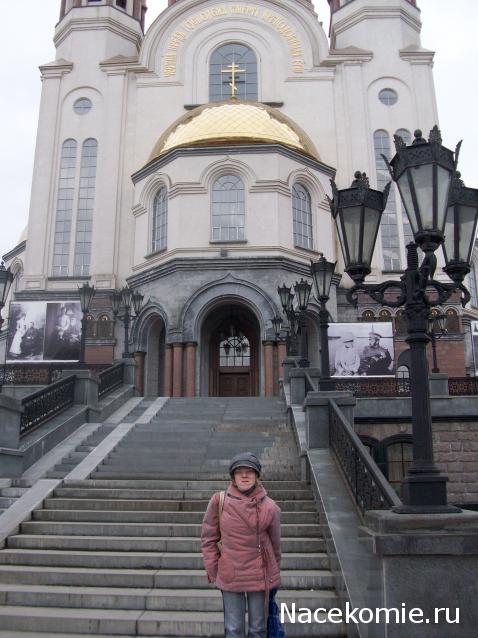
x: 221, y: 504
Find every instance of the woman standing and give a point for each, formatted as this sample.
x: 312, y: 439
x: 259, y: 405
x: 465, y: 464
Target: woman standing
x: 248, y: 564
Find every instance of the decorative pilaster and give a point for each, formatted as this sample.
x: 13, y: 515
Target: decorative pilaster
x: 177, y: 369
x: 190, y: 376
x: 168, y: 370
x: 268, y: 368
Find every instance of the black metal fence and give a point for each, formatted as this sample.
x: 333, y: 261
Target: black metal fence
x: 46, y: 403
x: 463, y: 386
x: 374, y: 387
x: 39, y: 373
x: 368, y: 485
x: 110, y: 379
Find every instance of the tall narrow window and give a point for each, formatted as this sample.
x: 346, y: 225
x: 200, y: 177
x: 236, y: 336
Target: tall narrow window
x: 160, y: 219
x: 245, y: 73
x: 64, y: 209
x: 407, y: 229
x: 302, y: 217
x: 228, y: 209
x: 86, y: 201
x: 472, y: 286
x: 388, y: 225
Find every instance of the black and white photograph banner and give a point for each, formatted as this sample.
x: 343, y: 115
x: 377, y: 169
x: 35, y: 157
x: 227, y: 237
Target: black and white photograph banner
x: 361, y: 349
x: 474, y: 341
x: 44, y: 331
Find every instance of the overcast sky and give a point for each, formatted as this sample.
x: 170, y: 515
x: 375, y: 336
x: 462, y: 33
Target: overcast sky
x: 449, y: 28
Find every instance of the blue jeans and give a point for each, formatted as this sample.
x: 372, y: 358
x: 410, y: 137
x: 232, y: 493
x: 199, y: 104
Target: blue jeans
x: 235, y: 614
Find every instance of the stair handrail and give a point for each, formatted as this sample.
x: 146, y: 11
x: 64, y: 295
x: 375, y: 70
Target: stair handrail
x: 110, y: 379
x: 42, y: 405
x: 369, y: 487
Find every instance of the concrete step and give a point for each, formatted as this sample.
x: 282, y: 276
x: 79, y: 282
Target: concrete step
x: 118, y: 516
x: 170, y: 529
x: 123, y: 598
x: 133, y: 543
x: 156, y: 505
x: 210, y: 485
x: 138, y: 559
x: 139, y: 622
x: 146, y: 578
x: 190, y: 494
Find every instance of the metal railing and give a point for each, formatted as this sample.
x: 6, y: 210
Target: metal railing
x: 46, y: 403
x: 374, y: 387
x: 38, y: 373
x: 463, y: 386
x: 369, y: 487
x: 110, y: 379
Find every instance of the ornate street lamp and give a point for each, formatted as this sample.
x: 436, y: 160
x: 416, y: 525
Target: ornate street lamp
x: 287, y: 303
x: 277, y: 326
x: 6, y: 280
x: 424, y: 172
x: 436, y: 329
x: 460, y: 228
x: 302, y: 292
x: 322, y: 273
x: 122, y: 301
x: 86, y: 293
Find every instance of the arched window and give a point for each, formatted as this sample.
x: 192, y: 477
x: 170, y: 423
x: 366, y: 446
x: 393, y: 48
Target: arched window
x: 384, y: 315
x: 367, y: 315
x: 228, y: 209
x: 302, y: 216
x: 472, y: 286
x: 160, y: 219
x: 86, y: 201
x: 401, y: 326
x: 388, y: 225
x: 220, y: 69
x: 398, y: 456
x: 64, y: 209
x: 452, y: 321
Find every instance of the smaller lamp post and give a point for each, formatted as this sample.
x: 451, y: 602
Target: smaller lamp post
x: 6, y: 280
x: 287, y: 303
x: 123, y: 300
x: 302, y: 290
x: 436, y: 329
x: 322, y: 273
x: 86, y: 293
x: 277, y: 326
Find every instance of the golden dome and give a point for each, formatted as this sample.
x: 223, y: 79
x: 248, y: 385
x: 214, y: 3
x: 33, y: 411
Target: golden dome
x: 233, y: 122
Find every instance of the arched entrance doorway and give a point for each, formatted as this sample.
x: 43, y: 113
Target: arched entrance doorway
x: 154, y: 337
x: 231, y: 344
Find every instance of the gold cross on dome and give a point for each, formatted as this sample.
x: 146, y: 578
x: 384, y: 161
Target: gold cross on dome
x: 233, y: 69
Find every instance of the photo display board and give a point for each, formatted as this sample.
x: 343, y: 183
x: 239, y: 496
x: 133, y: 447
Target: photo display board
x: 361, y: 349
x: 44, y: 331
x: 474, y: 342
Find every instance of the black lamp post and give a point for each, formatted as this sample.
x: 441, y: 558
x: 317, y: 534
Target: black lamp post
x: 423, y: 172
x: 122, y: 300
x: 322, y: 273
x: 302, y: 291
x: 287, y: 303
x: 6, y: 280
x: 277, y: 326
x: 436, y: 329
x: 86, y: 293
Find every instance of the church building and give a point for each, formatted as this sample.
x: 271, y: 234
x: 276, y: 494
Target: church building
x: 192, y: 162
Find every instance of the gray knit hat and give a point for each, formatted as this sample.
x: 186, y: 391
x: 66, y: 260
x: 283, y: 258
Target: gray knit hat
x: 245, y: 459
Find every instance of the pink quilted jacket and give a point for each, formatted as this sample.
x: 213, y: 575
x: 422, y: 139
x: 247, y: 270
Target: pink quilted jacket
x: 250, y: 535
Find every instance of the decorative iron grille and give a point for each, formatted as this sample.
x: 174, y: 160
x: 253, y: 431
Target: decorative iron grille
x: 46, y: 403
x: 374, y: 387
x: 39, y: 373
x: 463, y: 386
x: 110, y: 379
x: 369, y: 487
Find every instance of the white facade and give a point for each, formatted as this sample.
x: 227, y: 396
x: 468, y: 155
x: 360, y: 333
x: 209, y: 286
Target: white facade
x: 139, y: 85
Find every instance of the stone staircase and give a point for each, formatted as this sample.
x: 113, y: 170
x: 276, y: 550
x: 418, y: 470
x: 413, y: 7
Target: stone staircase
x: 119, y: 554
x: 70, y: 461
x: 11, y: 490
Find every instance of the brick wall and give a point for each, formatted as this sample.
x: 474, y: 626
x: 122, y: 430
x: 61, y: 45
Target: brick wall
x: 99, y: 354
x: 455, y: 446
x: 450, y: 355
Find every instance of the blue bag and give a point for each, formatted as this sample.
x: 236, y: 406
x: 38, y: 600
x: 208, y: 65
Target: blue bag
x: 274, y: 626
